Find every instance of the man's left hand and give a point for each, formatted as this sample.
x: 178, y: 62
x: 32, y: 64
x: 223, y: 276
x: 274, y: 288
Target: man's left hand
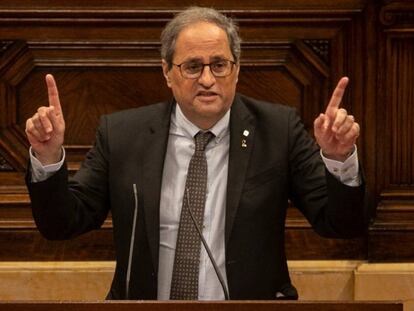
x: 335, y: 131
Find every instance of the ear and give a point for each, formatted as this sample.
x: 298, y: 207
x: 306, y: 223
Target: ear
x: 237, y: 72
x: 166, y: 72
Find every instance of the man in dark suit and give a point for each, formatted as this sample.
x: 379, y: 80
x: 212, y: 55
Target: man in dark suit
x: 258, y: 157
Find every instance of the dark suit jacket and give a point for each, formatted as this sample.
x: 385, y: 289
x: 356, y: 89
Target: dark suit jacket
x: 280, y: 162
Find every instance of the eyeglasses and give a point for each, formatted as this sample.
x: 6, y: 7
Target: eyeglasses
x: 193, y: 69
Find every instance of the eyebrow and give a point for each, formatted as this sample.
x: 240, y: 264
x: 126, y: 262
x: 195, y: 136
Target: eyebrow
x: 219, y: 57
x: 213, y: 58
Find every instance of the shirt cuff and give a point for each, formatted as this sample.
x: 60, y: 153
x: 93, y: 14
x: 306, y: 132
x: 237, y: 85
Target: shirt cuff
x: 42, y: 172
x: 346, y: 172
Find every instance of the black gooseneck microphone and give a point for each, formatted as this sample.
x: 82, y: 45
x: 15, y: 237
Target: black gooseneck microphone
x: 131, y: 244
x: 200, y: 234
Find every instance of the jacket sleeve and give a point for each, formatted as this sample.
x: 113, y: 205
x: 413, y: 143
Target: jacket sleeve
x: 65, y: 207
x: 333, y: 209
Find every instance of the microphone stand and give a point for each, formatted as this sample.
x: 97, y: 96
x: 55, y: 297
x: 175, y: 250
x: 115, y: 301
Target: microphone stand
x: 131, y: 245
x: 220, y: 277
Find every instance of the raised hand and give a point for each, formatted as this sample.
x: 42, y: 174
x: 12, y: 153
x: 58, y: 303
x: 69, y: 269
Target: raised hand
x: 45, y: 130
x: 335, y: 131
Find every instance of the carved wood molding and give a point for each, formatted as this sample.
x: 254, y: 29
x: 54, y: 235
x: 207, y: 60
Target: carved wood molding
x: 398, y: 98
x: 15, y: 64
x: 392, y: 233
x: 102, y: 14
x: 4, y: 165
x: 394, y: 215
x: 391, y: 236
x: 322, y: 48
x: 135, y: 14
x: 397, y: 13
x: 106, y: 54
x: 4, y: 45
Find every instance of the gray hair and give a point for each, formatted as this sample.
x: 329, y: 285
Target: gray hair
x: 194, y: 15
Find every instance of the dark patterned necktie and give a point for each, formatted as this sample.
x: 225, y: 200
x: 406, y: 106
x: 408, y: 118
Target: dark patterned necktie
x: 184, y: 282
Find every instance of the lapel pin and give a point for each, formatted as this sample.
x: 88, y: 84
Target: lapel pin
x: 244, y: 142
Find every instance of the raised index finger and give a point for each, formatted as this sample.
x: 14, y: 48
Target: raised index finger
x: 336, y: 98
x: 53, y: 93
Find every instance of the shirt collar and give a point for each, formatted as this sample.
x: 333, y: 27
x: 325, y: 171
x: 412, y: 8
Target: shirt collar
x: 183, y: 126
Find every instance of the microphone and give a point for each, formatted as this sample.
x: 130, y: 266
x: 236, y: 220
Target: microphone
x: 200, y: 234
x: 131, y: 245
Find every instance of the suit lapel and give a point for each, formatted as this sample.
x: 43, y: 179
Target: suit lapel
x: 242, y: 126
x: 156, y: 139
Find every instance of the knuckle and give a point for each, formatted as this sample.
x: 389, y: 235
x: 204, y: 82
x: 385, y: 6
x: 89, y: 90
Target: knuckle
x: 41, y: 110
x: 34, y: 134
x: 337, y: 124
x: 352, y: 134
x: 342, y: 130
x: 36, y: 122
x: 355, y: 128
x: 343, y: 111
x: 35, y: 117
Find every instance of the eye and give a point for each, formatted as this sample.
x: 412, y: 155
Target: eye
x: 219, y: 66
x: 192, y: 67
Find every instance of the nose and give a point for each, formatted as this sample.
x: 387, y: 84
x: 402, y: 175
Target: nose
x: 207, y: 78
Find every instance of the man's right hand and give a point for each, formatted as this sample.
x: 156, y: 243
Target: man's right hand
x: 45, y: 130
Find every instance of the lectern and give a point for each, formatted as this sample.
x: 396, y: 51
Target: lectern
x: 200, y: 306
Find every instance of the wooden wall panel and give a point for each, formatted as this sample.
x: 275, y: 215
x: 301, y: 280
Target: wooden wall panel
x: 105, y: 57
x: 392, y: 235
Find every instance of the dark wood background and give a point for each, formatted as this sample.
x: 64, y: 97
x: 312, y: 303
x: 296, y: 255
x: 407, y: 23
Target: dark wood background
x: 105, y: 57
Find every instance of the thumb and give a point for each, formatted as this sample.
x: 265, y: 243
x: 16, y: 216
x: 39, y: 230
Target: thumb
x: 319, y: 122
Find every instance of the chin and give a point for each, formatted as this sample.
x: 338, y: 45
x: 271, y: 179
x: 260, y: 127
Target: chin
x: 209, y: 107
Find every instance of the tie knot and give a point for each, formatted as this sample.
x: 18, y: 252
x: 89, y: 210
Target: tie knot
x: 202, y: 139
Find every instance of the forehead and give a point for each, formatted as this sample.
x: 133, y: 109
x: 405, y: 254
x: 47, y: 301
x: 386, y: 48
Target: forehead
x: 202, y: 40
